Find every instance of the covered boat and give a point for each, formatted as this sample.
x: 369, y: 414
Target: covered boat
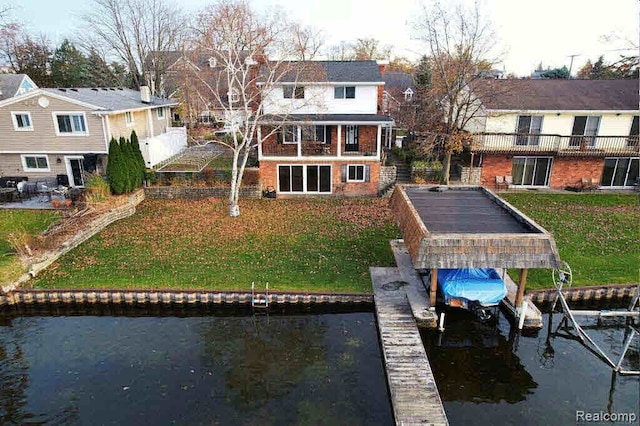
x: 470, y: 288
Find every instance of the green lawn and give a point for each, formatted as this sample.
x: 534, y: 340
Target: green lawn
x: 295, y: 245
x: 596, y: 234
x: 33, y: 222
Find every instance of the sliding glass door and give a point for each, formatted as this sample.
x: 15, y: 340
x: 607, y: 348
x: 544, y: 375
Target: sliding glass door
x: 307, y: 178
x: 531, y: 171
x: 620, y: 172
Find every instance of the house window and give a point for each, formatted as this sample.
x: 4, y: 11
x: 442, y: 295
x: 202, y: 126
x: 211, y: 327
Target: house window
x: 323, y: 134
x: 344, y: 92
x: 633, y: 133
x: 308, y: 178
x: 288, y: 134
x: 22, y: 121
x: 234, y: 96
x: 408, y: 94
x: 293, y: 92
x: 585, y: 129
x: 128, y: 118
x: 620, y: 172
x: 35, y: 163
x: 355, y: 173
x: 70, y: 124
x: 160, y: 113
x: 531, y: 171
x: 528, y: 129
x: 212, y: 62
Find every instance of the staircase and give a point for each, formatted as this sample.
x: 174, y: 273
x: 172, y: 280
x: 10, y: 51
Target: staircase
x: 403, y: 172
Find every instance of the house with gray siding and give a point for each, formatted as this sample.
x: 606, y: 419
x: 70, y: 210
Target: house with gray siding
x: 65, y: 133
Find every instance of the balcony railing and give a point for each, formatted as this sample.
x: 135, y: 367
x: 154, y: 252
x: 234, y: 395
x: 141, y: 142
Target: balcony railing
x: 514, y: 143
x: 309, y: 149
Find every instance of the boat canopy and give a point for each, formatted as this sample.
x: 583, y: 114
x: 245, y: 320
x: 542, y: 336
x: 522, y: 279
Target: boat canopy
x: 474, y: 284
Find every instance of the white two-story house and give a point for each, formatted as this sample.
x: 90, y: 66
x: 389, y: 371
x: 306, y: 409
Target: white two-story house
x: 557, y: 133
x: 61, y: 133
x: 322, y: 131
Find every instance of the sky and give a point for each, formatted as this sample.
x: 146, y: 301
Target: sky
x: 528, y: 33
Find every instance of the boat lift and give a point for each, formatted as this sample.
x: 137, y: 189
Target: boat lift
x: 562, y: 277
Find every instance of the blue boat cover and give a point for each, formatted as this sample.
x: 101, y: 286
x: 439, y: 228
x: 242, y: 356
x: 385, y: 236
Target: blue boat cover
x: 478, y: 284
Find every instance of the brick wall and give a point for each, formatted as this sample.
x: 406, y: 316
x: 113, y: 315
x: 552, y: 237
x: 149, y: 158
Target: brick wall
x: 269, y: 176
x: 569, y: 171
x: 565, y: 171
x: 492, y: 166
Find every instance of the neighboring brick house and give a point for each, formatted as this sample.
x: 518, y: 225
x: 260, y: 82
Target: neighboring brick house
x: 557, y: 133
x: 48, y: 133
x: 322, y: 132
x: 400, y: 99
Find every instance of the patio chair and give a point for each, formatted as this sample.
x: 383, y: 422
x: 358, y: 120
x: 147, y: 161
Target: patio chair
x: 508, y: 180
x: 500, y: 184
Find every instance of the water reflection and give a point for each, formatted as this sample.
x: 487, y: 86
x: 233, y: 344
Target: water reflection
x: 472, y: 361
x: 490, y: 374
x: 276, y: 370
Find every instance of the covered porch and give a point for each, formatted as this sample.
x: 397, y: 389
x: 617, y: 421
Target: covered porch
x: 330, y: 136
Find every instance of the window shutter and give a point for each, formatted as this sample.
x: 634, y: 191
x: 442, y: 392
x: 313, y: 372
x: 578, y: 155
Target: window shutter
x: 279, y: 137
x: 344, y: 173
x: 328, y: 134
x: 355, y: 133
x: 367, y: 173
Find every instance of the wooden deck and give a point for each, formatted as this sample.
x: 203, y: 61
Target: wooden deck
x: 413, y: 390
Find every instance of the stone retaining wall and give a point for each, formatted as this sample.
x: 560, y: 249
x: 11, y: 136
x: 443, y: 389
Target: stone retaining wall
x: 387, y: 177
x: 92, y: 229
x: 471, y: 176
x: 29, y: 297
x: 187, y: 192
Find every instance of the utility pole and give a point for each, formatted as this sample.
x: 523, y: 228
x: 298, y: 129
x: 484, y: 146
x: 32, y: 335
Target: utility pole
x: 571, y: 63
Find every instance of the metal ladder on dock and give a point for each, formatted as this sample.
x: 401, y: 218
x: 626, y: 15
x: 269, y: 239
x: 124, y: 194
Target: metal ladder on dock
x: 260, y: 301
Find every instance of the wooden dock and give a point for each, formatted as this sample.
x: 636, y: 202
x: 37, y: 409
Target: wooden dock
x: 413, y: 390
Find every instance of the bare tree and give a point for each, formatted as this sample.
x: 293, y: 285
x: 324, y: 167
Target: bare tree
x: 342, y: 51
x: 137, y: 32
x: 459, y: 46
x: 307, y: 42
x: 239, y: 39
x: 370, y: 48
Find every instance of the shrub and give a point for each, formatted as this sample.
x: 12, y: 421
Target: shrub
x: 116, y: 172
x: 140, y: 164
x: 434, y: 165
x: 20, y: 240
x: 98, y: 189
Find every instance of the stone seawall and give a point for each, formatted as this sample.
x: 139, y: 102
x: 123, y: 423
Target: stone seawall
x: 187, y: 192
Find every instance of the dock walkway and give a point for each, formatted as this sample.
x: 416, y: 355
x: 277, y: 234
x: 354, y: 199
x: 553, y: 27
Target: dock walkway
x: 413, y: 390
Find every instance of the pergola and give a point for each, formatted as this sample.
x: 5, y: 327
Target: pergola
x: 469, y: 227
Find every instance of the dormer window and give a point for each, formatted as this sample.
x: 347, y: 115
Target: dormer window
x: 408, y: 94
x: 212, y: 62
x: 234, y: 96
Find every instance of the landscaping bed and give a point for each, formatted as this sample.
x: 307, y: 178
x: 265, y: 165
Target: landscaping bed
x: 319, y: 245
x: 596, y: 234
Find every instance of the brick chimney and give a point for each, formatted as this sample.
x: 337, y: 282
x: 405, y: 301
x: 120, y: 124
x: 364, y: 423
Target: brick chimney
x: 382, y: 66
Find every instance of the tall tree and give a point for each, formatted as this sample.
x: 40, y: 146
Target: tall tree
x: 459, y: 44
x: 342, y: 51
x: 370, y: 48
x: 557, y: 73
x: 99, y: 74
x: 69, y: 67
x: 240, y: 40
x: 307, y: 42
x: 138, y: 32
x: 24, y: 53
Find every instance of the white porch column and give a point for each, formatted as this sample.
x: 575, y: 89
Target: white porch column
x: 339, y: 139
x: 149, y: 124
x: 378, y: 141
x: 299, y: 133
x: 259, y: 142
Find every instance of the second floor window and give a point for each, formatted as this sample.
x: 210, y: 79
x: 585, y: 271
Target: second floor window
x: 293, y: 92
x: 344, y: 92
x: 160, y: 113
x: 71, y: 124
x: 634, y: 132
x: 585, y: 128
x: 128, y: 118
x: 22, y: 121
x: 529, y: 129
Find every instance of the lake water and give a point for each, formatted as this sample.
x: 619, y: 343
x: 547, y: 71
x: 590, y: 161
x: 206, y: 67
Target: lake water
x: 490, y: 375
x: 304, y: 368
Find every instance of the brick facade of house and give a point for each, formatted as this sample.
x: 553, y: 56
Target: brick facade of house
x: 565, y: 171
x: 269, y: 176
